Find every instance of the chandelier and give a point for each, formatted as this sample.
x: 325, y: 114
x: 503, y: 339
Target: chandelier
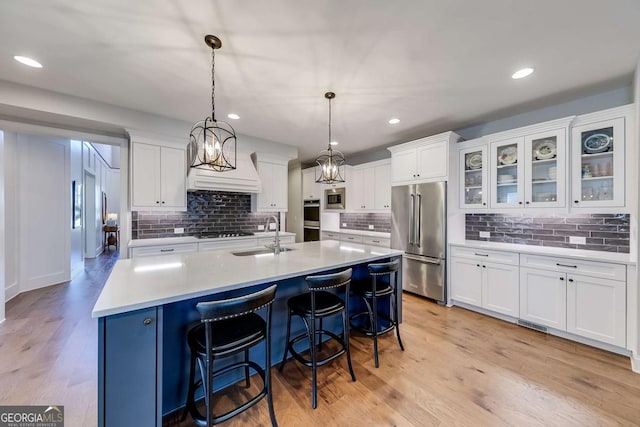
x: 212, y: 143
x: 330, y: 161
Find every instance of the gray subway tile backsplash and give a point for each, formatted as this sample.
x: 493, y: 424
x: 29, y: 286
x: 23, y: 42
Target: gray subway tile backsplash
x: 603, y: 232
x: 207, y: 211
x: 361, y: 221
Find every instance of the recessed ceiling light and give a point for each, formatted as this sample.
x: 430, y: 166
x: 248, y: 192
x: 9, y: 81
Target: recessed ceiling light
x: 394, y: 121
x: 27, y: 61
x: 333, y: 143
x: 522, y: 73
x: 233, y: 116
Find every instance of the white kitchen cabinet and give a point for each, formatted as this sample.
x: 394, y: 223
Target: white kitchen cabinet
x: 598, y: 163
x: 596, y: 308
x: 263, y: 241
x: 274, y: 182
x: 423, y: 160
x: 477, y: 279
x: 330, y: 235
x: 311, y: 190
x: 473, y: 177
x: 168, y: 249
x: 543, y: 297
x: 369, y: 187
x: 226, y: 244
x: 376, y: 241
x: 353, y: 238
x: 158, y: 178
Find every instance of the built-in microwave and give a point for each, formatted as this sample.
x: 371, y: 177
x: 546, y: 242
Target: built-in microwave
x: 334, y: 198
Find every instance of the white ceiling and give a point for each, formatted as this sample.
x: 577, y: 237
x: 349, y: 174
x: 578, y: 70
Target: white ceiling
x: 437, y: 65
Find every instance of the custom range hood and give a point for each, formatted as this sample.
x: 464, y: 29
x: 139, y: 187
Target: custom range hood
x: 243, y: 179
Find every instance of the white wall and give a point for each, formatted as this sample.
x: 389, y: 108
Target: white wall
x: 44, y: 196
x: 295, y: 210
x: 2, y: 267
x: 112, y: 189
x: 76, y: 233
x: 636, y: 95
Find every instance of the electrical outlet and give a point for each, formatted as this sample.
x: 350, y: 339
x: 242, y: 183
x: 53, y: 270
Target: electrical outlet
x: 178, y: 230
x: 261, y: 228
x: 344, y: 224
x: 576, y: 240
x: 272, y: 226
x: 485, y: 234
x: 370, y: 226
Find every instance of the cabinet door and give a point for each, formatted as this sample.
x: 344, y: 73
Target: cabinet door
x: 382, y: 187
x: 173, y: 177
x: 362, y: 195
x: 403, y: 166
x: 473, y: 178
x: 466, y: 281
x: 545, y: 174
x: 507, y: 173
x: 432, y: 161
x: 596, y: 309
x: 280, y: 183
x: 543, y: 297
x: 311, y: 190
x: 500, y: 288
x: 267, y: 192
x: 598, y: 170
x: 145, y: 175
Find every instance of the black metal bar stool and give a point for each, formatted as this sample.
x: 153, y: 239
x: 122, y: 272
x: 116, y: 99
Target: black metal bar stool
x: 370, y: 291
x: 229, y: 327
x: 318, y: 304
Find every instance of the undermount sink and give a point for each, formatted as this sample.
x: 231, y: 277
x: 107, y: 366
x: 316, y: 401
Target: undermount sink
x: 261, y: 251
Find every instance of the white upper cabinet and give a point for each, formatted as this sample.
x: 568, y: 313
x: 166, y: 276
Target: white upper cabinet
x: 274, y: 182
x: 158, y: 178
x: 311, y: 190
x: 545, y: 174
x: 369, y: 187
x: 507, y: 173
x: 472, y: 165
x: 423, y: 160
x: 601, y: 160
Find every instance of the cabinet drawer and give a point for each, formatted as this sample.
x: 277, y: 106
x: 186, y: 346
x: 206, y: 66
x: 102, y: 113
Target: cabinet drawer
x: 377, y: 241
x: 486, y: 255
x: 568, y: 265
x: 227, y: 244
x: 330, y: 235
x: 163, y: 250
x: 351, y: 238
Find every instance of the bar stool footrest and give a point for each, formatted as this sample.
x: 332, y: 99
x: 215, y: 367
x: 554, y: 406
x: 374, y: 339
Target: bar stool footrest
x: 306, y: 362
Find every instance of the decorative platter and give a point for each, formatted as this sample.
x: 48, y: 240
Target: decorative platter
x: 545, y: 150
x: 597, y: 143
x: 508, y: 155
x: 474, y: 161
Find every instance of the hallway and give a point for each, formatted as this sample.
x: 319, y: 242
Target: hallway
x: 48, y: 344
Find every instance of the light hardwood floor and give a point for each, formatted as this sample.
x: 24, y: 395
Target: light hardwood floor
x: 459, y: 368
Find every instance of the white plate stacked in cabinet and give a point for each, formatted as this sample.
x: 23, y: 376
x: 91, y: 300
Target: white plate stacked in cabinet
x: 573, y: 297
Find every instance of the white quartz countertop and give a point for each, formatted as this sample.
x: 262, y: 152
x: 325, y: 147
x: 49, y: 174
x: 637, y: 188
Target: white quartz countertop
x: 620, y: 258
x: 360, y: 232
x: 139, y: 283
x: 138, y: 243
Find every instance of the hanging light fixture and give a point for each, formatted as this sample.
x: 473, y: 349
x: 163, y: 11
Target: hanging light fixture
x: 330, y: 161
x: 212, y: 143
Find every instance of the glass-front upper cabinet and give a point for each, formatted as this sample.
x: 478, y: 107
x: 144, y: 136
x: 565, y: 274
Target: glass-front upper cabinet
x: 598, y: 166
x: 545, y: 171
x: 507, y: 173
x: 473, y: 177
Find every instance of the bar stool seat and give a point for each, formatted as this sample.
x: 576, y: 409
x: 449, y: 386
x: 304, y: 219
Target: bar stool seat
x: 318, y: 304
x: 382, y: 283
x: 229, y: 327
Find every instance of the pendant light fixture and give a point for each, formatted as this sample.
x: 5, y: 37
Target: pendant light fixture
x: 330, y: 162
x: 212, y: 143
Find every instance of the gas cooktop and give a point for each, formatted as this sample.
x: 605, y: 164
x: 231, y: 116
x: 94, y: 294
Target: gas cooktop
x: 220, y: 234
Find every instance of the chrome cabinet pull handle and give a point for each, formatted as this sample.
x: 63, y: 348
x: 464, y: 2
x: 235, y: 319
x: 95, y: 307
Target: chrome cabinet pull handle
x: 147, y: 321
x: 477, y: 254
x: 167, y: 250
x: 565, y: 265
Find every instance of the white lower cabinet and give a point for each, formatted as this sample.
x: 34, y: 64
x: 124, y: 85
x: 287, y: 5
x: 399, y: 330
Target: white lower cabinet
x: 181, y: 248
x: 596, y: 309
x: 487, y: 284
x: 543, y: 297
x: 581, y: 297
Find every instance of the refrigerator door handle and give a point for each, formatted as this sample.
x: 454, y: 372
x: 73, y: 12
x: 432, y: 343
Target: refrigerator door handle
x: 418, y: 234
x: 412, y: 214
x: 436, y: 261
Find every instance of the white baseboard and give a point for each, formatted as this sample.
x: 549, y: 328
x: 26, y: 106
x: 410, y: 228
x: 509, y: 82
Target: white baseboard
x: 635, y: 362
x: 11, y: 291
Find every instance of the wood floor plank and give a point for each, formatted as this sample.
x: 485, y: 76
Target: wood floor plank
x: 460, y: 368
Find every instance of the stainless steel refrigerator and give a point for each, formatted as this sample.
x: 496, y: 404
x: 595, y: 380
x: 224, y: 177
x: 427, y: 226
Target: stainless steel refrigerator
x: 418, y: 227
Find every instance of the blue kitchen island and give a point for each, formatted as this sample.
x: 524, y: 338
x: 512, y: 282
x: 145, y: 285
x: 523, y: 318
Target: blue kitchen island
x: 148, y: 304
